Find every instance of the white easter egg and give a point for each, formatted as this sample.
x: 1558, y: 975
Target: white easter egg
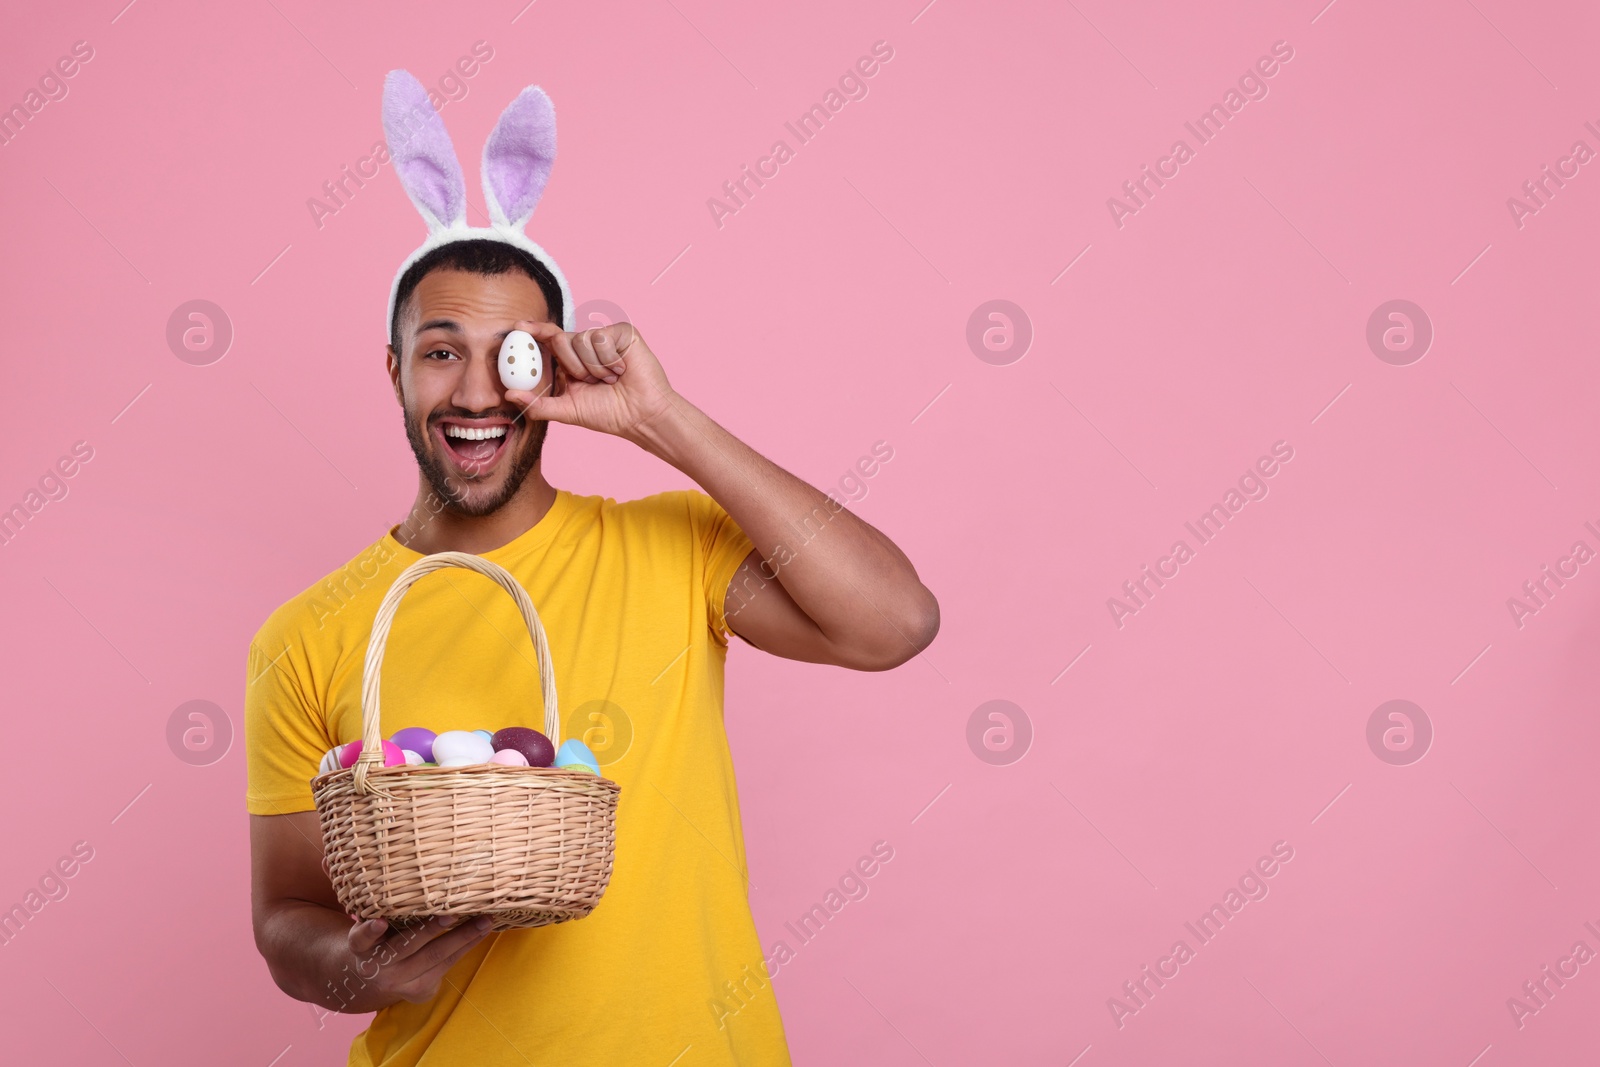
x: 461, y: 748
x: 413, y: 759
x: 521, y: 362
x: 330, y: 761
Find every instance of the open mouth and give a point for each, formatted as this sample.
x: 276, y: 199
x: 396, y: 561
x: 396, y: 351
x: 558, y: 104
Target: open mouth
x: 476, y: 446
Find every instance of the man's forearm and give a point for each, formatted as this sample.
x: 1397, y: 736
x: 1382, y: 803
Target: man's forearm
x: 829, y: 575
x: 307, y: 949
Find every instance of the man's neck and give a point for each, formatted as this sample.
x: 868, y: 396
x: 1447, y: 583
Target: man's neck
x: 430, y: 528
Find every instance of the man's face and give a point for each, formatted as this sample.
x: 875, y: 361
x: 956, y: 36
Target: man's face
x: 471, y: 444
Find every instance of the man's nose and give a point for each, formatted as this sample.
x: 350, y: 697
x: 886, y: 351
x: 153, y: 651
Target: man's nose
x: 479, y: 388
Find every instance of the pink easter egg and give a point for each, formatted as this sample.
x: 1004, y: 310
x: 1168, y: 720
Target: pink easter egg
x: 393, y: 756
x: 509, y: 757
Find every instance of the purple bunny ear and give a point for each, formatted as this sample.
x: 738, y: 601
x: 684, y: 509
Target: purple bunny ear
x: 422, y: 153
x: 517, y: 157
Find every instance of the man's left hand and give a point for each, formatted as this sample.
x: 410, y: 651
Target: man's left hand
x: 604, y: 379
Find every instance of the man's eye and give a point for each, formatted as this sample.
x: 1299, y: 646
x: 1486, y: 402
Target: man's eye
x: 443, y: 353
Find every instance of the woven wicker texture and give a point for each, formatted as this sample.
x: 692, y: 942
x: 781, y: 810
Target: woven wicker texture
x: 527, y: 846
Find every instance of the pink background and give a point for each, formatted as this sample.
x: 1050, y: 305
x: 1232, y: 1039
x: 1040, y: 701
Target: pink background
x: 823, y: 317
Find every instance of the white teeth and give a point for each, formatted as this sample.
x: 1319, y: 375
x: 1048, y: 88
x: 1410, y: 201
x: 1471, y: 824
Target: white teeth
x: 474, y: 434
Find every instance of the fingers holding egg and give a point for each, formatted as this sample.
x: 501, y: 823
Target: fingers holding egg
x: 559, y: 344
x: 594, y: 362
x: 609, y: 355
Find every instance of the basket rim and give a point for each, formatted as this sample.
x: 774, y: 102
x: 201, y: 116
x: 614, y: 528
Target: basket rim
x: 472, y: 770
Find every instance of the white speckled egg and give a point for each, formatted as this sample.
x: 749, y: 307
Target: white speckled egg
x: 521, y: 362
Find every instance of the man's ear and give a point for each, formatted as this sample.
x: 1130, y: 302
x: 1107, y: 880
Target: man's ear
x: 393, y: 362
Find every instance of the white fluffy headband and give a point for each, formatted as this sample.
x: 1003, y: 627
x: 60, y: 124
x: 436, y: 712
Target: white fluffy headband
x: 516, y: 165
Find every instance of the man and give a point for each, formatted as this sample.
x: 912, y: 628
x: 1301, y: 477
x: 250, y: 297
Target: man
x: 637, y: 599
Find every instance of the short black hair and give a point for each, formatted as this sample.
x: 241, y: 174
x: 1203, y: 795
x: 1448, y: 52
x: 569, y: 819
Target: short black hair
x: 475, y: 256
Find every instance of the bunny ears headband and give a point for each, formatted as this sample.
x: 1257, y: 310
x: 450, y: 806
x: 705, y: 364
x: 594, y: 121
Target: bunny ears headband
x: 516, y: 164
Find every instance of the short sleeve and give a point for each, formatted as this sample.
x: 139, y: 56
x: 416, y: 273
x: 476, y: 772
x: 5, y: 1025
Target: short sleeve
x: 285, y: 736
x: 723, y: 548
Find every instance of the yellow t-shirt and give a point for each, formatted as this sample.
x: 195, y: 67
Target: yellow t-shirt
x: 667, y: 969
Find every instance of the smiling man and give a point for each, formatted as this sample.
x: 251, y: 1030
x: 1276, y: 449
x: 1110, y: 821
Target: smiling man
x: 639, y: 599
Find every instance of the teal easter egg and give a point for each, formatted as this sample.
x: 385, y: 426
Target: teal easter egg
x: 575, y: 755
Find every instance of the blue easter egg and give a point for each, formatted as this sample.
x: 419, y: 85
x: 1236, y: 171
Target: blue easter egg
x: 574, y: 754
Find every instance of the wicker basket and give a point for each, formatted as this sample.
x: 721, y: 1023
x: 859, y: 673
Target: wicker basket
x: 527, y: 846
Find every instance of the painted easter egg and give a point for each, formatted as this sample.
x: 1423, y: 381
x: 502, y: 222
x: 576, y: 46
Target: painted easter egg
x: 509, y: 757
x: 392, y: 756
x: 534, y: 746
x: 521, y: 362
x: 418, y: 739
x: 461, y: 748
x: 575, y: 756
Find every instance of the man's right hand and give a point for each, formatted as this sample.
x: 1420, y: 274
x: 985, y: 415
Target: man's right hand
x: 409, y: 962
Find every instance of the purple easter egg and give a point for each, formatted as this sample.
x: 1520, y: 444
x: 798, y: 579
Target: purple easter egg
x: 418, y: 739
x: 534, y: 746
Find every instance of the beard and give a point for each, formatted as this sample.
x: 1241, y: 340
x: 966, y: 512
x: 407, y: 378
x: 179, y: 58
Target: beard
x: 469, y: 498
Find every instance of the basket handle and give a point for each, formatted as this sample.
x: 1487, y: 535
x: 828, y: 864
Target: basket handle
x: 371, y: 748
